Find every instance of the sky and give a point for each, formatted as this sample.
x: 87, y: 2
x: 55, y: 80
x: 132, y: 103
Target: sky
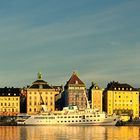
x: 99, y: 39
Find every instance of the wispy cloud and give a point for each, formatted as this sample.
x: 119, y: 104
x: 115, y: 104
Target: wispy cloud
x: 101, y: 43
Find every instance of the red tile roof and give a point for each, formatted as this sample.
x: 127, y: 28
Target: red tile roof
x: 75, y: 80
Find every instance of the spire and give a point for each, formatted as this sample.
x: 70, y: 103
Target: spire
x: 75, y: 73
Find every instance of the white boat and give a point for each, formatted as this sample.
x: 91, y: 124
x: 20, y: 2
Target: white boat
x: 69, y: 116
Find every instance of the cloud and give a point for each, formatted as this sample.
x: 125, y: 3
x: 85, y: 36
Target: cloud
x: 102, y: 44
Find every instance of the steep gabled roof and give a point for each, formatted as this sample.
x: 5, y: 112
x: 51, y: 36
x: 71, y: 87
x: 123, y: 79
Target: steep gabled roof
x: 75, y: 80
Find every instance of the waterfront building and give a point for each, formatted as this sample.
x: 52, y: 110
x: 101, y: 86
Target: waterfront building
x: 75, y: 92
x: 121, y: 99
x: 96, y: 94
x: 9, y: 101
x: 40, y: 92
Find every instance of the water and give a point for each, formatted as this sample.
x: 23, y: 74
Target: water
x: 69, y: 133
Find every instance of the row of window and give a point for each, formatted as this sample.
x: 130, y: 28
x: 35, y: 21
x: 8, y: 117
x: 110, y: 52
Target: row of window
x: 40, y: 93
x: 76, y: 87
x: 62, y: 117
x: 77, y: 98
x: 35, y: 98
x: 77, y: 103
x: 35, y: 109
x: 128, y: 93
x: 38, y: 103
x: 122, y: 88
x: 76, y: 121
x: 5, y: 99
x: 9, y: 104
x: 9, y: 110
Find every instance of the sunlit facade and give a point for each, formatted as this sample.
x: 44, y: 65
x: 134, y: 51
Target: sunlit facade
x: 75, y: 92
x: 96, y: 97
x: 9, y: 101
x: 40, y: 93
x: 121, y: 99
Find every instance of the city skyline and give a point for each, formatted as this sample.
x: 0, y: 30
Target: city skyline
x: 98, y: 39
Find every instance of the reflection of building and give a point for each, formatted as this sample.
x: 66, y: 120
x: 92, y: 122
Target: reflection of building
x: 96, y: 96
x: 123, y: 133
x: 10, y: 133
x: 75, y: 92
x: 9, y: 101
x: 40, y: 93
x: 121, y: 99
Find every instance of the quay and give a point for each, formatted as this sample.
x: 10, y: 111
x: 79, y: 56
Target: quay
x: 8, y: 121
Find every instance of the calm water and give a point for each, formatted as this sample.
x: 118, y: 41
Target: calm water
x: 69, y: 133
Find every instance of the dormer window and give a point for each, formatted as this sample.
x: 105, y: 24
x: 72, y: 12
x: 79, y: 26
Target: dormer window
x: 40, y: 86
x: 76, y: 82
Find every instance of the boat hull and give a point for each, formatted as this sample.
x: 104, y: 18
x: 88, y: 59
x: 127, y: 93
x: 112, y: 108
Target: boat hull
x: 68, y: 120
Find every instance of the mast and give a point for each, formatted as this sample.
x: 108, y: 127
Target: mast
x: 88, y: 105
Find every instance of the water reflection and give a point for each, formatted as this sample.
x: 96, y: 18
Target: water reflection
x: 69, y: 133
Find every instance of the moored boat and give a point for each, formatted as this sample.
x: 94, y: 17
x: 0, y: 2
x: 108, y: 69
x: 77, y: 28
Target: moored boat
x: 69, y: 116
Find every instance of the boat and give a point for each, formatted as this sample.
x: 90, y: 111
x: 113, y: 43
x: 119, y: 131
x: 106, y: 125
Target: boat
x: 69, y: 116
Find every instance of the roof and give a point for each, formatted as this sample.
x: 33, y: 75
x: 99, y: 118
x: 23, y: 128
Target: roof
x: 75, y: 80
x: 119, y: 86
x: 40, y: 84
x: 9, y: 91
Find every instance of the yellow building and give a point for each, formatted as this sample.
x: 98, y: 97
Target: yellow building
x: 40, y: 93
x: 9, y: 101
x: 121, y: 99
x: 96, y: 97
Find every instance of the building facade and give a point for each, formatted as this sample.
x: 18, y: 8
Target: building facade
x: 96, y: 96
x: 9, y: 101
x: 121, y: 99
x: 75, y: 92
x: 40, y: 93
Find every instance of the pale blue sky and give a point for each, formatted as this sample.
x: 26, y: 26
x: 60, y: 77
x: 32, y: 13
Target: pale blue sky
x: 98, y: 38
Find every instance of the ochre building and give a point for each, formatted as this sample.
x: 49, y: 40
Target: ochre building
x: 121, y: 99
x: 96, y: 97
x: 40, y: 93
x: 9, y: 101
